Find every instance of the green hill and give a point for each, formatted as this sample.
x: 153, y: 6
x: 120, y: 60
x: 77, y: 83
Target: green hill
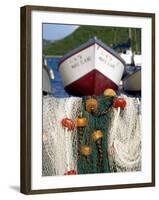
x: 109, y: 35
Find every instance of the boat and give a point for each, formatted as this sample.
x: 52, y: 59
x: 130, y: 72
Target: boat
x: 133, y: 62
x: 137, y: 60
x: 91, y: 68
x: 47, y: 76
x: 127, y: 56
x: 131, y: 58
x: 132, y: 83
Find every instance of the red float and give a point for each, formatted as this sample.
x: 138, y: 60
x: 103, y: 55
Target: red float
x: 119, y: 103
x: 71, y: 172
x: 68, y: 123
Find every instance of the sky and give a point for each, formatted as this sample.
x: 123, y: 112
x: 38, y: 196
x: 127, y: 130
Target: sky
x: 57, y: 31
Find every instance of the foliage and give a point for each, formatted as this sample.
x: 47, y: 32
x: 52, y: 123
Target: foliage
x: 109, y: 35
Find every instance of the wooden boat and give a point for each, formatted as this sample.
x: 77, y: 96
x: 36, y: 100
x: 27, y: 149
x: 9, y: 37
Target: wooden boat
x: 47, y: 76
x: 91, y: 68
x: 132, y: 82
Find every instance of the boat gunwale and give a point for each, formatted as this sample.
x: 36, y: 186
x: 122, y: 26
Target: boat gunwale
x: 129, y: 75
x: 87, y: 45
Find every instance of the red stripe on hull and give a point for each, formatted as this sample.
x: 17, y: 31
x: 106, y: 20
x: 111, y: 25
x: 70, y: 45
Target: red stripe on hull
x: 93, y: 83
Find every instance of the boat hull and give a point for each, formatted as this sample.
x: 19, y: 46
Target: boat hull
x: 132, y: 83
x: 93, y: 83
x: 91, y: 70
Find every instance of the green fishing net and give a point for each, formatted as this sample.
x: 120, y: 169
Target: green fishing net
x: 90, y: 164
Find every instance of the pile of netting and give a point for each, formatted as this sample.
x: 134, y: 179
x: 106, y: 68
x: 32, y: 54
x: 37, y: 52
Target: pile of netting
x: 107, y: 140
x: 124, y: 141
x: 59, y: 144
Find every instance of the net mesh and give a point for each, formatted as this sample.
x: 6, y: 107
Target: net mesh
x: 91, y: 164
x: 122, y: 137
x: 125, y: 137
x: 59, y: 145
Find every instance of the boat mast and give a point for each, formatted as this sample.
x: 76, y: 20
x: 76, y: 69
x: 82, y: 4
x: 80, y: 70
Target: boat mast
x: 136, y: 43
x: 130, y: 36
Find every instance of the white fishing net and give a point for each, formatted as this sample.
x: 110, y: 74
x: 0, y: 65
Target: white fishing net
x: 124, y: 141
x: 59, y: 144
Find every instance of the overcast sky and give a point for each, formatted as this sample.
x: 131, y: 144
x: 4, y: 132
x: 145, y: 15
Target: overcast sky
x: 57, y: 31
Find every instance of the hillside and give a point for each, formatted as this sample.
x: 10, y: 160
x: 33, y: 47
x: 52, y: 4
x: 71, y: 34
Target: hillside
x: 109, y: 35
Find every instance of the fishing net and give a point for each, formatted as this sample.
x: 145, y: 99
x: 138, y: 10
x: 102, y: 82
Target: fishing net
x: 59, y: 144
x: 100, y: 121
x: 119, y: 149
x: 124, y: 141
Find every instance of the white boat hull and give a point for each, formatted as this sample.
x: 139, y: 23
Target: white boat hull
x: 93, y: 62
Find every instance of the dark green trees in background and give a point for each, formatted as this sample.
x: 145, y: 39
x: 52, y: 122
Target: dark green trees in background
x: 109, y: 35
